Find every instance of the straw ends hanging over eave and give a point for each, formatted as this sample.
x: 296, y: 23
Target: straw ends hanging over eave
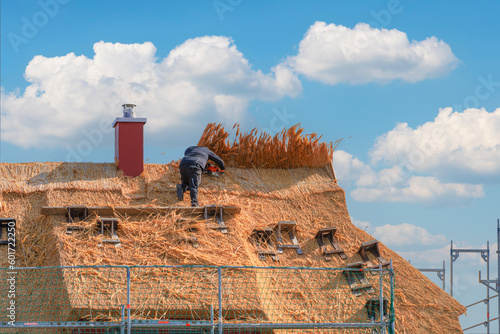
x: 290, y: 148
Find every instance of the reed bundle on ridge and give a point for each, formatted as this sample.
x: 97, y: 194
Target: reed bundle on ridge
x: 290, y: 148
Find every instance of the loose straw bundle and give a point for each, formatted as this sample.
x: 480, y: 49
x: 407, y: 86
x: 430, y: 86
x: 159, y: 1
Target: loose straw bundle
x: 288, y: 149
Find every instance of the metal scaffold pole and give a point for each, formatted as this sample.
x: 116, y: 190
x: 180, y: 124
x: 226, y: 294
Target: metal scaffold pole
x: 129, y: 324
x: 498, y: 267
x: 451, y: 268
x: 444, y: 276
x: 392, y: 297
x: 219, y: 274
x: 488, y: 291
x: 381, y: 301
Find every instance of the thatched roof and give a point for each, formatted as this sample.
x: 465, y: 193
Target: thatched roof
x: 309, y: 196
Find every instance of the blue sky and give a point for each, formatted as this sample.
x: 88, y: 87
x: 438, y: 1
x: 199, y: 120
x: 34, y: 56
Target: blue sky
x: 414, y: 86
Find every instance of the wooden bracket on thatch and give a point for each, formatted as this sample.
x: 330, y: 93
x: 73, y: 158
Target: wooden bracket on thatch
x: 357, y: 280
x: 109, y: 226
x: 9, y: 224
x: 138, y: 211
x: 373, y: 308
x: 262, y: 238
x: 372, y: 247
x: 218, y: 216
x: 76, y: 213
x: 72, y: 228
x: 329, y: 234
x: 287, y: 226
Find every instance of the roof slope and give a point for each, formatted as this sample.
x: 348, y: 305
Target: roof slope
x: 310, y: 196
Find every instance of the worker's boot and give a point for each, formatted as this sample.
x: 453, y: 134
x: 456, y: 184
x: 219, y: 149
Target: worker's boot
x: 180, y: 192
x: 195, y: 204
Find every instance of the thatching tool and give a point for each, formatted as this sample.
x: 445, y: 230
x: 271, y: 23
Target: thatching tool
x: 109, y: 226
x: 287, y: 226
x: 372, y: 247
x: 329, y: 234
x: 213, y: 170
x: 262, y: 238
x: 357, y: 280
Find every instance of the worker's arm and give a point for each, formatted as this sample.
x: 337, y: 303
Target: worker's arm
x: 215, y: 158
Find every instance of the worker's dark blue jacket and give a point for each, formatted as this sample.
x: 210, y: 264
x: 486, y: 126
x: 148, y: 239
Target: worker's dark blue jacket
x: 199, y: 155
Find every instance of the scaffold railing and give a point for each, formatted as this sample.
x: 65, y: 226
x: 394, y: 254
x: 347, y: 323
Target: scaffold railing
x: 196, y: 299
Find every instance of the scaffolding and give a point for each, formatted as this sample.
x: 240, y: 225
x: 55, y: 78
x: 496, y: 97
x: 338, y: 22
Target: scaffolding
x: 485, y: 255
x: 441, y: 273
x: 195, y: 299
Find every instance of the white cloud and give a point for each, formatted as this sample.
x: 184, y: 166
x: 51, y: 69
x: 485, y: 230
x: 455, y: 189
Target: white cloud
x: 407, y: 235
x: 443, y: 162
x: 455, y: 145
x: 424, y: 189
x: 401, y: 235
x: 348, y: 168
x: 365, y: 226
x: 204, y: 79
x: 432, y: 257
x: 412, y: 242
x: 335, y: 54
x: 396, y: 184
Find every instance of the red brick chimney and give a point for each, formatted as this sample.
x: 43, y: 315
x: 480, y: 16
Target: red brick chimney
x: 129, y: 141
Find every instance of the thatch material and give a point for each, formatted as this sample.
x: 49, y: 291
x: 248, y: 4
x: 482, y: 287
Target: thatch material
x: 309, y: 196
x: 288, y: 149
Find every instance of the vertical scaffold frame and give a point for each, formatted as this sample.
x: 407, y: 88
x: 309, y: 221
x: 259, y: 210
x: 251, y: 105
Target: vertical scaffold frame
x: 485, y: 255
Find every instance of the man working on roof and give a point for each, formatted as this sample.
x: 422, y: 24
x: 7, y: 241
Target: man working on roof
x: 191, y: 167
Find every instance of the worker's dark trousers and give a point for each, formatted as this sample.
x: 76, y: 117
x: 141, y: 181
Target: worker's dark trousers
x: 191, y: 177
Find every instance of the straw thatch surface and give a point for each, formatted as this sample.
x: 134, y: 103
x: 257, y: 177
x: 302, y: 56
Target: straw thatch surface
x: 308, y: 195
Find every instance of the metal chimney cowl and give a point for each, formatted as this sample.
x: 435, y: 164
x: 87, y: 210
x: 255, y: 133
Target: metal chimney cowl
x: 129, y: 141
x: 128, y: 111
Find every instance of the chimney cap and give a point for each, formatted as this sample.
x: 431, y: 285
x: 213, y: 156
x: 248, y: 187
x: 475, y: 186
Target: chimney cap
x: 128, y: 115
x: 128, y: 110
